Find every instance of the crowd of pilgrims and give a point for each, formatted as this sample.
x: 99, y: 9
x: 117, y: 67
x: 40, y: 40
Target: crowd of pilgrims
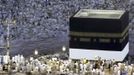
x: 45, y: 65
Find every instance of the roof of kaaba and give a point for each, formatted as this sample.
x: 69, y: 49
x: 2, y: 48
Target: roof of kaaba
x: 106, y: 14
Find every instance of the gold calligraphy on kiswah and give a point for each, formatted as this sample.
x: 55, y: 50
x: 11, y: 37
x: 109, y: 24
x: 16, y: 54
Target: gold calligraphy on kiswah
x: 101, y: 40
x: 97, y: 34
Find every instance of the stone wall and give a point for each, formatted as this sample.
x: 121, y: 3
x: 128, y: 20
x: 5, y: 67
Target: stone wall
x: 38, y: 20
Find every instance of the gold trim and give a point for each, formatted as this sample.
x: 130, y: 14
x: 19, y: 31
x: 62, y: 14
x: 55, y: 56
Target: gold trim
x: 105, y: 40
x: 85, y: 39
x: 121, y: 40
x: 94, y: 34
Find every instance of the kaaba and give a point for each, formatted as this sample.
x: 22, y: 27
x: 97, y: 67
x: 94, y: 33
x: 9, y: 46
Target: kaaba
x: 99, y: 29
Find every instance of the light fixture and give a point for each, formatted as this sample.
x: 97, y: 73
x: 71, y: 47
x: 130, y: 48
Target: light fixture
x: 36, y: 52
x: 63, y: 48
